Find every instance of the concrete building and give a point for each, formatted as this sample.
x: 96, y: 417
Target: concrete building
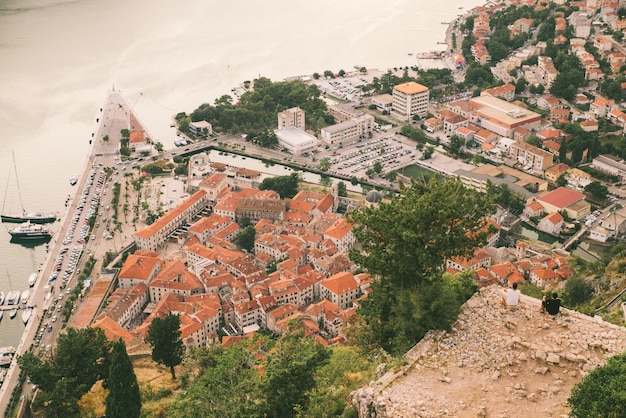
x: 346, y: 132
x: 530, y: 156
x: 295, y: 140
x: 200, y: 128
x: 291, y: 118
x: 383, y: 102
x: 610, y: 164
x: 565, y: 199
x: 502, y: 117
x: 410, y: 99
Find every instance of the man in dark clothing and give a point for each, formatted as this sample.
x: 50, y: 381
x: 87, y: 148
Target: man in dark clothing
x: 552, y: 306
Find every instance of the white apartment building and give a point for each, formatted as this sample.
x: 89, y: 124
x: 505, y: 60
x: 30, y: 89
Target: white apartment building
x: 409, y: 99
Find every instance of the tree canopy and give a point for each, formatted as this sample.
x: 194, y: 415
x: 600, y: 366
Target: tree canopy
x: 431, y: 223
x: 257, y: 110
x: 164, y: 338
x: 259, y: 377
x: 285, y: 186
x: 80, y: 360
x: 602, y: 392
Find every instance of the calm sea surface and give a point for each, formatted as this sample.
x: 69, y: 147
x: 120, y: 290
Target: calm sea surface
x: 58, y: 59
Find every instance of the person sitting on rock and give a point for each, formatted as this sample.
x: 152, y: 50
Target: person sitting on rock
x: 552, y: 306
x: 511, y: 297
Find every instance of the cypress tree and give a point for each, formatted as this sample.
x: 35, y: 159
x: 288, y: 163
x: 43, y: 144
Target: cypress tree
x: 124, y: 399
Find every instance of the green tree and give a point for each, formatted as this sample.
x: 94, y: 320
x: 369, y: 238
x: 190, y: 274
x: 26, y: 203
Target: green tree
x: 342, y: 190
x: 80, y: 360
x: 325, y: 164
x: 290, y: 373
x: 285, y: 186
x: 432, y: 222
x: 602, y: 392
x: 326, y: 181
x: 520, y: 85
x: 164, y: 338
x: 428, y: 152
x: 227, y: 385
x: 456, y: 142
x: 597, y: 190
x: 124, y: 399
x: 378, y: 167
x: 577, y: 291
x: 245, y: 238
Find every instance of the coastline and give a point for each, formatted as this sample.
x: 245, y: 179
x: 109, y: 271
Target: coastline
x: 6, y: 389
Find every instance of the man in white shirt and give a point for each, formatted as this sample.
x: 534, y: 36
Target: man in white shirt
x: 511, y: 297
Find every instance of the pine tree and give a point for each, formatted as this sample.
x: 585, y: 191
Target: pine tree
x: 164, y: 338
x: 124, y: 399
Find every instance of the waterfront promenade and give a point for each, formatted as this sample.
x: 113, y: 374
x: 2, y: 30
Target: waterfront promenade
x: 112, y: 118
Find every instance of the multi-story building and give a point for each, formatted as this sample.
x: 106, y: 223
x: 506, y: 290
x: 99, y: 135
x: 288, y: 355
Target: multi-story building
x: 349, y: 131
x: 153, y: 236
x: 213, y: 185
x: 383, y: 102
x: 200, y: 128
x: 291, y: 118
x: 409, y: 99
x: 139, y: 268
x: 254, y: 209
x: 502, y: 117
x: 547, y: 70
x: 530, y: 156
x: 341, y: 289
x: 124, y: 306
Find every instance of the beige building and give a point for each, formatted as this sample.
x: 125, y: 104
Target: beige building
x: 530, y: 156
x: 291, y: 118
x: 345, y: 132
x: 383, y: 102
x: 409, y: 99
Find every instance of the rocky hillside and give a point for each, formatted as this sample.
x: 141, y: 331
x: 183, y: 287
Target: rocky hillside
x: 494, y: 363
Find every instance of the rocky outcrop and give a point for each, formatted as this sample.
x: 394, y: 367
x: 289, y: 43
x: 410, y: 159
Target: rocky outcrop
x: 494, y: 363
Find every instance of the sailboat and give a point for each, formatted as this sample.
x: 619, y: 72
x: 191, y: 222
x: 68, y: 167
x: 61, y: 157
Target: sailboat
x: 1, y: 298
x: 12, y: 313
x: 33, y: 217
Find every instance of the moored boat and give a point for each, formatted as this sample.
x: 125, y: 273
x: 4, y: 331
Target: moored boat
x: 25, y: 296
x: 12, y: 313
x: 32, y: 279
x: 26, y: 315
x: 32, y: 217
x: 30, y: 231
x: 13, y: 297
x: 1, y: 314
x: 1, y: 298
x: 73, y: 180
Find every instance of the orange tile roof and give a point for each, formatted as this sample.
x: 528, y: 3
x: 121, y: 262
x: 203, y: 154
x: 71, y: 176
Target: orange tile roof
x: 164, y: 220
x: 411, y: 88
x: 137, y: 137
x: 113, y: 330
x: 139, y: 267
x: 340, y: 283
x: 338, y: 229
x: 561, y: 197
